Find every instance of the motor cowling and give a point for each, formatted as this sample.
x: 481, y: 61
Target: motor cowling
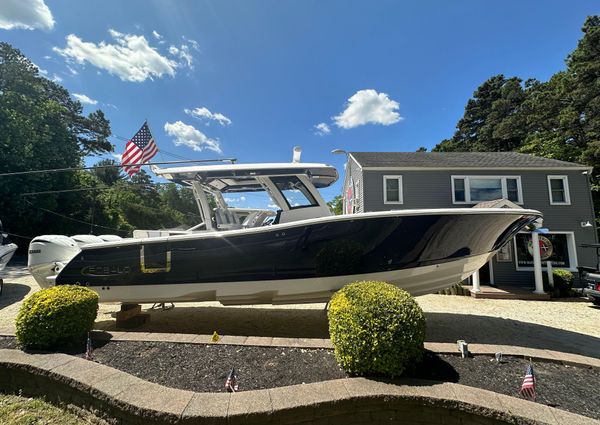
x: 47, y: 256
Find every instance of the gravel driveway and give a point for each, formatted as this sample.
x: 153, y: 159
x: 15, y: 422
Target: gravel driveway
x: 571, y: 325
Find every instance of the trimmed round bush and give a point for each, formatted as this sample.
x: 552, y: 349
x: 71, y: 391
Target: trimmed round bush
x: 56, y: 316
x: 376, y: 329
x: 563, y: 282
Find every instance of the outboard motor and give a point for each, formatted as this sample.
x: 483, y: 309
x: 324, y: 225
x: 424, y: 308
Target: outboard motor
x: 48, y: 255
x: 86, y: 239
x: 7, y: 249
x: 110, y: 238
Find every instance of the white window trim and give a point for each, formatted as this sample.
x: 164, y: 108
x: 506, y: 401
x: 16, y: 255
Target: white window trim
x: 474, y: 176
x: 572, y: 248
x: 565, y: 180
x: 400, y: 190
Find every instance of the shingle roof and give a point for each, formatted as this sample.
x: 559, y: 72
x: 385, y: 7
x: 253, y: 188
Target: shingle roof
x: 459, y: 160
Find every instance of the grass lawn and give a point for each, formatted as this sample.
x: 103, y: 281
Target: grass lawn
x: 15, y: 410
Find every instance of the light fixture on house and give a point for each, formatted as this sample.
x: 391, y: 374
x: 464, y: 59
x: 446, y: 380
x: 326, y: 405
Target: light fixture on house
x: 339, y: 151
x: 586, y: 224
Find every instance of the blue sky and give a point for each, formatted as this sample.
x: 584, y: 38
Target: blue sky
x: 260, y: 75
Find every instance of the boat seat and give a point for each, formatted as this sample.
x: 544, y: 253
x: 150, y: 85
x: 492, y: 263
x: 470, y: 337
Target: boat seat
x: 226, y: 220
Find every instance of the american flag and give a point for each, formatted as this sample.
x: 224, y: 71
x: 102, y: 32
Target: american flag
x: 139, y: 150
x: 231, y: 383
x: 528, y: 386
x: 89, y: 348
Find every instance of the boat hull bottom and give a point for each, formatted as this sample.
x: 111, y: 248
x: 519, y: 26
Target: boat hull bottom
x: 417, y: 281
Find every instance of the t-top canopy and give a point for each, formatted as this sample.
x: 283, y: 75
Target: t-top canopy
x: 242, y: 177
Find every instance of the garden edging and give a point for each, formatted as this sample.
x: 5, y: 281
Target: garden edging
x: 102, y: 389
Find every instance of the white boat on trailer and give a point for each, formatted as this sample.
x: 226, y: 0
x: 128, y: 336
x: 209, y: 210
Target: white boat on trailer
x: 299, y: 253
x: 7, y: 250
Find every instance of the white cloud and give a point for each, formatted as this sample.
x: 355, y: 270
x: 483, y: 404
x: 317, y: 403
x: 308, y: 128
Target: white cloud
x: 188, y: 135
x: 25, y: 14
x: 193, y: 43
x: 184, y: 54
x: 157, y: 35
x: 273, y: 206
x: 131, y: 58
x: 85, y: 99
x: 204, y: 113
x: 368, y: 107
x: 56, y: 79
x: 231, y: 200
x: 322, y: 129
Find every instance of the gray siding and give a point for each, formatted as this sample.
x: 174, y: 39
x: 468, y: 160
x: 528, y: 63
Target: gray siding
x: 432, y: 189
x: 353, y: 170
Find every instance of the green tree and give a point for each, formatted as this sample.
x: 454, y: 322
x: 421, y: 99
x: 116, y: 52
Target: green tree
x: 335, y: 205
x: 41, y: 127
x: 108, y: 172
x: 490, y: 121
x: 180, y: 199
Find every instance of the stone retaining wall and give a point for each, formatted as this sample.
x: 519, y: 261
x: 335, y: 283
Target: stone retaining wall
x: 61, y: 378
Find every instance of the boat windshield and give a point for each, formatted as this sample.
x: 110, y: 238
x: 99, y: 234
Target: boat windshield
x: 296, y: 194
x: 252, y: 200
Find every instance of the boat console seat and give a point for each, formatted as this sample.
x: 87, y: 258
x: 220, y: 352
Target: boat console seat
x: 226, y: 220
x: 256, y: 218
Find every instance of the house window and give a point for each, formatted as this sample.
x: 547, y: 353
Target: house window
x: 392, y: 190
x: 557, y: 247
x: 474, y: 189
x: 558, y: 190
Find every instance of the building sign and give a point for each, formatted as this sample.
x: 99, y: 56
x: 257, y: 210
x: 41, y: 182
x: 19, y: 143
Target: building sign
x: 553, y: 247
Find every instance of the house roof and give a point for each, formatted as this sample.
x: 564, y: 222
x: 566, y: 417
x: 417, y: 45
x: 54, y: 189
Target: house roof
x: 497, y: 203
x: 453, y: 160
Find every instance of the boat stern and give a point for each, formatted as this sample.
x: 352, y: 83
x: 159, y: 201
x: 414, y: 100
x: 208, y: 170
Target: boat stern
x: 48, y: 255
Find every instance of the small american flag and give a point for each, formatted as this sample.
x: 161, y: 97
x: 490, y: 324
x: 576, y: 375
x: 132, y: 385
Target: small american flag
x: 231, y: 383
x: 139, y: 150
x: 528, y: 387
x: 89, y: 348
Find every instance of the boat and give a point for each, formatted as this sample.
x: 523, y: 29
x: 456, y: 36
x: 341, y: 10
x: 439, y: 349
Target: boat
x: 7, y: 250
x: 298, y: 252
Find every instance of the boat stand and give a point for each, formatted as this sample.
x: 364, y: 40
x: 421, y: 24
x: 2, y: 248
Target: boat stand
x: 162, y: 306
x: 130, y: 316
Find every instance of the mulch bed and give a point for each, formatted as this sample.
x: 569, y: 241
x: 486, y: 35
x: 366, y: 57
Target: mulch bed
x: 204, y: 368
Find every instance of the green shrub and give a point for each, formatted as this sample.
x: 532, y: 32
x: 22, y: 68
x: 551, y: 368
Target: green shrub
x: 56, y: 316
x: 563, y: 282
x: 376, y: 329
